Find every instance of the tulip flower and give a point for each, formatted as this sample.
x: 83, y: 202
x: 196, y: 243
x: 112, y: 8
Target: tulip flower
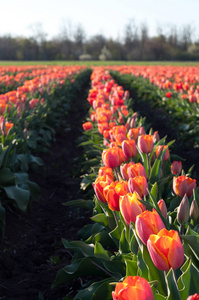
x: 133, y: 133
x: 113, y: 192
x: 138, y: 184
x: 87, y: 126
x: 130, y: 207
x: 136, y: 170
x: 166, y: 249
x: 193, y: 297
x: 133, y: 287
x: 124, y: 170
x: 100, y: 183
x: 111, y: 157
x: 159, y: 149
x: 147, y: 223
x: 183, y: 211
x: 8, y: 126
x: 176, y: 167
x: 129, y: 148
x: 163, y: 208
x: 106, y: 171
x: 183, y: 185
x: 145, y: 143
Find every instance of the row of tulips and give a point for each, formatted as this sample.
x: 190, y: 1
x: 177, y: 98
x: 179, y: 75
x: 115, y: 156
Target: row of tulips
x: 151, y: 243
x: 182, y: 111
x: 27, y: 125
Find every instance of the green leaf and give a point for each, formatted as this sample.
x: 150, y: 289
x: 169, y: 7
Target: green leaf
x: 80, y: 267
x: 80, y: 203
x: 131, y: 267
x: 115, y: 235
x: 192, y: 240
x: 80, y: 247
x: 7, y: 177
x: 101, y: 218
x: 123, y: 244
x: 188, y: 281
x: 154, y: 191
x: 172, y: 287
x: 96, y: 290
x: 155, y: 170
x: 20, y: 196
x: 99, y: 252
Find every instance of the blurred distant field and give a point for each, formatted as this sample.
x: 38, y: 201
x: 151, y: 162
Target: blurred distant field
x: 98, y: 63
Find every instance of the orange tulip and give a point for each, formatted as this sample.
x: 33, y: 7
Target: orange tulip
x: 176, y: 167
x: 133, y: 133
x: 106, y: 171
x: 166, y: 249
x: 129, y: 148
x: 8, y: 126
x: 113, y: 192
x: 100, y: 183
x: 136, y: 170
x: 130, y: 207
x: 159, y: 149
x: 138, y: 184
x: 112, y: 157
x: 145, y: 143
x: 133, y: 287
x: 147, y: 223
x: 124, y: 170
x: 183, y: 185
x: 87, y: 126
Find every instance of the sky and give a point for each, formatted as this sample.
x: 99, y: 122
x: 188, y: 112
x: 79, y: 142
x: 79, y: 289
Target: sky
x: 107, y: 17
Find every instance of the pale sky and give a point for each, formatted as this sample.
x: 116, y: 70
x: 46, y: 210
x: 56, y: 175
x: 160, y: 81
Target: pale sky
x: 108, y: 17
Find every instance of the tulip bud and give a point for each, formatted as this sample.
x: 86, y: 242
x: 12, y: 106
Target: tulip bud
x: 183, y: 211
x: 163, y: 207
x: 194, y: 212
x: 176, y: 167
x: 156, y: 137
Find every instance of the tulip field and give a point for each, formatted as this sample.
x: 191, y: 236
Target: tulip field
x: 99, y: 176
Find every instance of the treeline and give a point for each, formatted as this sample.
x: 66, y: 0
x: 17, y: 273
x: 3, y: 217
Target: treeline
x: 136, y: 44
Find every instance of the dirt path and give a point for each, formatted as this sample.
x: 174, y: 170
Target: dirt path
x: 32, y: 252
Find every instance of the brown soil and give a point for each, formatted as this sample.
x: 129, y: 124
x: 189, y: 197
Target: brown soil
x: 32, y: 252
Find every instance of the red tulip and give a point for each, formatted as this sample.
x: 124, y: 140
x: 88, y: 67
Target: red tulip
x: 166, y: 249
x: 193, y: 297
x: 87, y: 126
x: 133, y: 287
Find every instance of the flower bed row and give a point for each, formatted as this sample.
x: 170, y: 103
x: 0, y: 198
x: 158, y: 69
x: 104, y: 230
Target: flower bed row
x: 143, y: 243
x: 27, y: 126
x: 171, y: 98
